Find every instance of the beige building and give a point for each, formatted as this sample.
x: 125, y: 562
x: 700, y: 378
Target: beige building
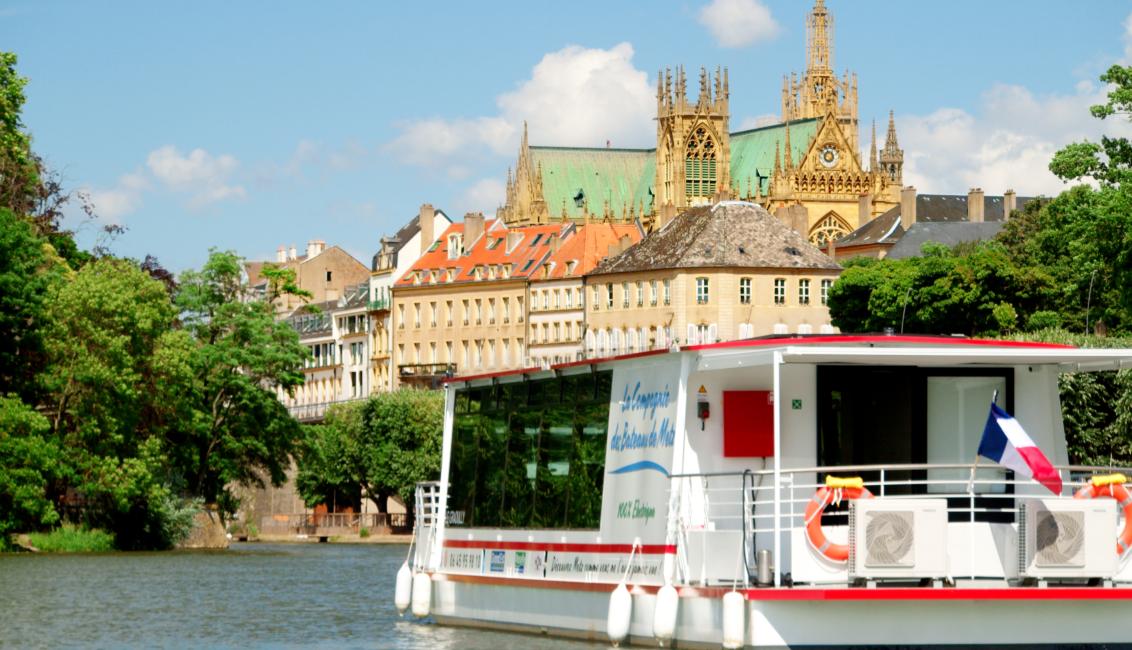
x: 397, y: 254
x: 557, y: 294
x: 462, y: 307
x: 323, y: 271
x: 810, y: 163
x: 714, y: 273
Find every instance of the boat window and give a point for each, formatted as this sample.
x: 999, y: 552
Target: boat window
x: 531, y: 454
x: 905, y: 415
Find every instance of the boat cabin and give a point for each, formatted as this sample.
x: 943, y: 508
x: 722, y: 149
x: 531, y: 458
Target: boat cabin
x: 763, y: 462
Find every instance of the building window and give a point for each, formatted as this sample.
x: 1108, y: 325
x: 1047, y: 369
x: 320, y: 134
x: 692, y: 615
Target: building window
x: 825, y: 285
x: 640, y: 294
x: 448, y: 310
x: 780, y: 291
x: 668, y: 292
x: 454, y: 248
x: 557, y: 299
x: 569, y: 298
x: 597, y: 297
x: 506, y: 310
x: 745, y: 291
x: 609, y: 294
x: 625, y: 294
x: 652, y: 292
x: 699, y: 164
x: 702, y: 291
x: 417, y: 314
x: 803, y: 291
x: 328, y: 275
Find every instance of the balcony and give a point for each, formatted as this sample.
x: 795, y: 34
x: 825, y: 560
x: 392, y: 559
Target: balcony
x: 425, y: 375
x: 308, y: 413
x: 379, y: 305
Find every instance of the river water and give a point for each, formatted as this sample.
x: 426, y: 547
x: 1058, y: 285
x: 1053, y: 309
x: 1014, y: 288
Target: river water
x: 250, y: 596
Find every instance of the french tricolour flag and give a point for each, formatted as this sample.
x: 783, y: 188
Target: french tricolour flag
x: 1007, y: 444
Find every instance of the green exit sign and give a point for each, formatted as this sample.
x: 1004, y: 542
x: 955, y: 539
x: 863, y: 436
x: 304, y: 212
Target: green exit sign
x: 796, y: 404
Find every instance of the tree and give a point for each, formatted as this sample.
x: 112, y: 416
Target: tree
x: 19, y: 173
x: 1110, y: 161
x: 385, y: 445
x: 240, y: 357
x: 28, y: 462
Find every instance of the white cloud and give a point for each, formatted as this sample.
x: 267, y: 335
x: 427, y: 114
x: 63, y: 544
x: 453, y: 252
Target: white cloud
x: 758, y: 121
x: 483, y: 196
x: 738, y: 23
x: 1006, y: 143
x: 575, y: 97
x: 111, y: 204
x: 206, y: 178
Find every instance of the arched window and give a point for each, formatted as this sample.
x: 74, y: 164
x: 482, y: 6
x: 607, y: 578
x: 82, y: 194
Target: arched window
x: 699, y: 164
x: 830, y: 228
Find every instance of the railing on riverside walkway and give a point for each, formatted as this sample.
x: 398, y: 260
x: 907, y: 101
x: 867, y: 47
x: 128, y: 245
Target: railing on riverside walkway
x: 315, y: 412
x: 336, y: 523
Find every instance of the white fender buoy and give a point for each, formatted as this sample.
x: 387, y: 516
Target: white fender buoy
x: 422, y: 594
x: 664, y: 616
x: 403, y: 593
x: 620, y: 613
x: 733, y: 620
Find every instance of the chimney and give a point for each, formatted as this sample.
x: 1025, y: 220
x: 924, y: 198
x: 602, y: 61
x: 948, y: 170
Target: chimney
x: 908, y: 207
x: 612, y: 250
x: 314, y: 247
x: 513, y: 239
x: 796, y: 216
x: 831, y: 249
x: 865, y: 208
x: 473, y: 228
x: 281, y: 254
x: 624, y: 243
x: 975, y: 205
x: 294, y: 253
x: 424, y: 219
x: 1009, y: 204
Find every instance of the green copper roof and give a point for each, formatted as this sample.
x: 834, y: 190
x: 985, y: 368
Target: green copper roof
x: 625, y: 177
x: 754, y: 150
x: 621, y: 176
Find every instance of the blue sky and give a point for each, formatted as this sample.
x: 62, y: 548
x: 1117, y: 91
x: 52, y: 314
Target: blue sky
x: 254, y: 124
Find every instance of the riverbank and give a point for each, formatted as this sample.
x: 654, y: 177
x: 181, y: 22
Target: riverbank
x: 330, y: 539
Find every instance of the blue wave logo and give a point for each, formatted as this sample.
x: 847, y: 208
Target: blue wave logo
x: 641, y: 465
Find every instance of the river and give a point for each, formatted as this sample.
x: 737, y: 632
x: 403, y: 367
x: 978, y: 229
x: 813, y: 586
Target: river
x: 250, y: 596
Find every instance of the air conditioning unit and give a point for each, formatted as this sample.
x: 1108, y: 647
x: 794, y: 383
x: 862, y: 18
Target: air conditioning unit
x: 1067, y: 538
x: 898, y: 539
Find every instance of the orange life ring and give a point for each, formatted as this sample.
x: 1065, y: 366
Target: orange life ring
x: 1112, y: 486
x: 834, y: 490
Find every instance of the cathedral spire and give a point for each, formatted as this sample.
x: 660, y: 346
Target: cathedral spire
x: 873, y: 149
x: 789, y: 158
x: 777, y: 158
x: 819, y: 39
x: 890, y: 139
x: 892, y: 156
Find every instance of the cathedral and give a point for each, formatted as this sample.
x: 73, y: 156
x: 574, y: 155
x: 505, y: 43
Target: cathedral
x: 808, y: 169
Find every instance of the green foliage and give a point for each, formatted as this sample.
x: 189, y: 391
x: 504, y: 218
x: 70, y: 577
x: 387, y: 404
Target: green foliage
x: 363, y: 532
x: 73, y: 539
x: 238, y: 431
x: 385, y: 445
x: 1109, y: 162
x: 19, y: 176
x: 1043, y: 320
x: 26, y: 273
x: 28, y: 462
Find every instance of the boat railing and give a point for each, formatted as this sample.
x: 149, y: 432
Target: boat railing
x: 429, y: 521
x: 748, y: 501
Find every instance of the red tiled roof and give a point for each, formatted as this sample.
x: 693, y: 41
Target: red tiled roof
x: 588, y: 246
x: 490, y: 250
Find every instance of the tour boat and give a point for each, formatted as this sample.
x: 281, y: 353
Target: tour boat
x: 808, y: 491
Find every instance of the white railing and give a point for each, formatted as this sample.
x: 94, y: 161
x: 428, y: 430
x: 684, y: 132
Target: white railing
x: 427, y: 515
x: 747, y: 501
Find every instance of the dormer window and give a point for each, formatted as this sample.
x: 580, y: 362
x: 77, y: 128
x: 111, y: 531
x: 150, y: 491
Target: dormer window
x: 453, y: 246
x: 477, y: 273
x: 416, y: 277
x: 491, y: 272
x: 450, y: 274
x: 570, y: 266
x: 432, y: 277
x: 507, y: 270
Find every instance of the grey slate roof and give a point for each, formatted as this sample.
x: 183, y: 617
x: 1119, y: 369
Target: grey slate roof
x: 948, y: 234
x: 885, y: 228
x: 402, y: 237
x: 727, y: 234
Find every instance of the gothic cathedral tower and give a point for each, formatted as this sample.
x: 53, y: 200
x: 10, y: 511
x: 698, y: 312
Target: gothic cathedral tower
x: 820, y: 92
x: 693, y: 146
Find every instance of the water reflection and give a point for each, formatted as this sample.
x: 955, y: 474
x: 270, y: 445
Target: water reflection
x: 251, y: 596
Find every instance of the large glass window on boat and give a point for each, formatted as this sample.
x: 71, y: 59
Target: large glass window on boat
x: 530, y: 454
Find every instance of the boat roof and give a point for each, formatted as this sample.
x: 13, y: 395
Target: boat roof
x: 853, y: 349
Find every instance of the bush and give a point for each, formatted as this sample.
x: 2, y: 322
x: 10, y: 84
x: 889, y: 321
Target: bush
x: 363, y: 532
x: 1043, y: 320
x: 72, y: 539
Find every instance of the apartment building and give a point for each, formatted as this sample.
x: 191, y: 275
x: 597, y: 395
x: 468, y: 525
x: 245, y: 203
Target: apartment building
x: 462, y: 307
x: 714, y: 273
x: 557, y: 317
